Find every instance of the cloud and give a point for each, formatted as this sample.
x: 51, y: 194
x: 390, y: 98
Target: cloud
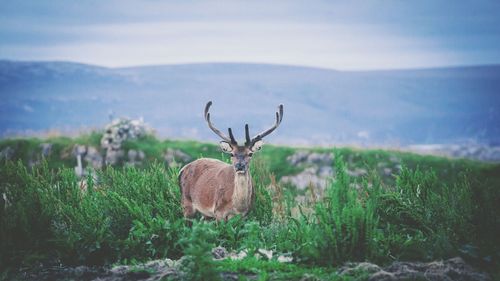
x: 348, y: 35
x: 28, y: 108
x: 321, y: 45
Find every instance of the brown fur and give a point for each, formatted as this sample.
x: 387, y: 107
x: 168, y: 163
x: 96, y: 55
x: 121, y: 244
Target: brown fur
x: 213, y: 188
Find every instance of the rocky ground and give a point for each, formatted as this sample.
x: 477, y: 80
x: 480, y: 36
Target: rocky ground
x: 454, y: 269
x: 318, y: 169
x: 473, y: 151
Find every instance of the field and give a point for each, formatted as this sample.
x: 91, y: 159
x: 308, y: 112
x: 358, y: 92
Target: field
x: 400, y: 207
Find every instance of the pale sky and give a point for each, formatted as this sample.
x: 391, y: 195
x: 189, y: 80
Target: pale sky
x: 350, y: 35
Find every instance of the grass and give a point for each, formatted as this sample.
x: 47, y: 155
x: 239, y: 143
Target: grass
x: 433, y: 208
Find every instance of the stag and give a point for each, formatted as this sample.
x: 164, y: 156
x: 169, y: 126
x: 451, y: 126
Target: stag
x: 217, y: 189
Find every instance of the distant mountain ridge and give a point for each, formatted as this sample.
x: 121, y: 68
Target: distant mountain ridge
x: 322, y: 106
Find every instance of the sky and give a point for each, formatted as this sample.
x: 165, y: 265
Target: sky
x: 343, y: 35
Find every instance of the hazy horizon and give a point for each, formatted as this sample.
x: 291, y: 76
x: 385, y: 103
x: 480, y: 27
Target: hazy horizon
x: 252, y: 63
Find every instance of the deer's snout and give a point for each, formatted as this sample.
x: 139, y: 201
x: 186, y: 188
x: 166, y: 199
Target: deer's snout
x: 240, y: 167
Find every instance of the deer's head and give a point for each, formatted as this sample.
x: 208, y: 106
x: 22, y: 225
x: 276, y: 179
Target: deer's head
x: 242, y: 154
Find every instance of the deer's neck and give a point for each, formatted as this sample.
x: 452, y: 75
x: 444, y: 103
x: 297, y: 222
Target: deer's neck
x: 242, y: 193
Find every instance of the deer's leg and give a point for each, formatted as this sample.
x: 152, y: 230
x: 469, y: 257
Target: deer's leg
x: 187, y: 205
x: 220, y: 216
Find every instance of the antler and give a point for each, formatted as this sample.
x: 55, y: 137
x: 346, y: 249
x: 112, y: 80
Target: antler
x: 258, y: 137
x: 219, y: 133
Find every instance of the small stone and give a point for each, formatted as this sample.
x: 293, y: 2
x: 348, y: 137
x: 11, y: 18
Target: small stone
x: 174, y: 157
x: 79, y: 149
x: 241, y: 255
x: 7, y: 153
x: 387, y: 171
x: 357, y: 172
x: 46, y: 149
x: 219, y: 253
x: 132, y: 154
x: 93, y: 157
x: 305, y: 178
x: 266, y: 253
x: 385, y: 276
x: 284, y: 259
x: 120, y: 269
x: 113, y: 156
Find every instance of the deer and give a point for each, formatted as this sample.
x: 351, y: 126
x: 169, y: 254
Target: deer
x: 219, y: 190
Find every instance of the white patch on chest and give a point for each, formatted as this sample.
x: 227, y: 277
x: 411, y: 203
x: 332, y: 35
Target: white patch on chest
x: 242, y: 193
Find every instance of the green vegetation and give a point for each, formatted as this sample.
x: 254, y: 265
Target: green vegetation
x: 433, y: 208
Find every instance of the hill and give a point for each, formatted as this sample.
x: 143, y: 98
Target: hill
x: 322, y: 106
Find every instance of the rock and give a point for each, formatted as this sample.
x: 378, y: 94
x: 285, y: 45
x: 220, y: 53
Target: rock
x: 309, y: 277
x: 357, y: 172
x: 113, y: 156
x: 386, y: 276
x: 155, y: 270
x: 175, y: 157
x: 151, y: 271
x: 470, y: 150
x: 387, y: 171
x: 394, y: 159
x: 266, y: 253
x: 122, y: 129
x: 132, y: 154
x: 90, y: 155
x: 298, y: 158
x: 307, y: 177
x: 93, y: 157
x: 308, y: 158
x: 453, y: 269
x: 283, y: 259
x: 317, y: 169
x: 119, y: 270
x: 165, y: 269
x: 79, y: 150
x: 46, y: 149
x: 239, y: 256
x: 135, y: 157
x: 4, y: 200
x: 116, y: 133
x: 219, y: 253
x: 231, y: 276
x: 7, y: 153
x: 350, y: 268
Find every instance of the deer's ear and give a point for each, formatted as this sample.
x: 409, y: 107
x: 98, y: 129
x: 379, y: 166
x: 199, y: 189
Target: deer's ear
x: 226, y: 147
x: 257, y: 146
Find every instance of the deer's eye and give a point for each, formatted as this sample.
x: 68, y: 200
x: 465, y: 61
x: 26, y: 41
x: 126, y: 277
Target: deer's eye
x: 232, y: 154
x: 250, y: 154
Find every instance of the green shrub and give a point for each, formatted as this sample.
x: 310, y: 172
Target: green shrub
x: 197, y: 263
x: 127, y: 214
x: 433, y: 215
x: 262, y: 209
x: 25, y: 222
x: 343, y: 226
